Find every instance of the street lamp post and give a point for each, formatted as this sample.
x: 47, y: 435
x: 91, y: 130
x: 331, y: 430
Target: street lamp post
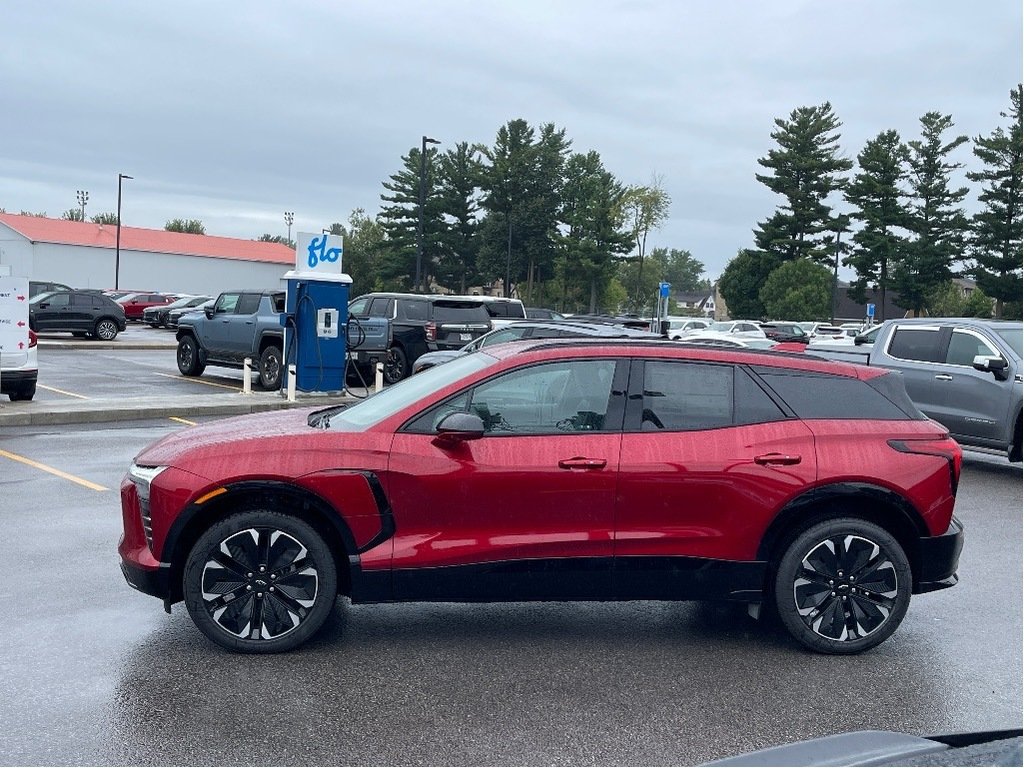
x: 117, y: 243
x: 423, y: 196
x: 83, y: 198
x: 289, y: 219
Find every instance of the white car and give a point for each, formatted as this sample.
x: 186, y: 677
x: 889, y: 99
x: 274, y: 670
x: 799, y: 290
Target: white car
x: 684, y: 326
x: 729, y: 340
x: 744, y: 329
x: 19, y: 370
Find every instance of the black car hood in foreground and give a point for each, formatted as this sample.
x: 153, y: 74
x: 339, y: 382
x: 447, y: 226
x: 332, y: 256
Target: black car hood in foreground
x: 889, y: 748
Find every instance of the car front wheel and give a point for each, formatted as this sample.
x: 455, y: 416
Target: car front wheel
x: 189, y: 362
x: 843, y: 586
x: 270, y: 368
x: 260, y: 582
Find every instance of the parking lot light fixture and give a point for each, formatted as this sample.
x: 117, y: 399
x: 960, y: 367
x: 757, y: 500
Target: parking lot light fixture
x: 117, y: 242
x: 289, y: 219
x: 423, y: 194
x: 83, y: 198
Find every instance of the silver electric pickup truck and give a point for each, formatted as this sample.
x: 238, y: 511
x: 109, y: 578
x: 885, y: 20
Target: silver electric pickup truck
x: 963, y: 372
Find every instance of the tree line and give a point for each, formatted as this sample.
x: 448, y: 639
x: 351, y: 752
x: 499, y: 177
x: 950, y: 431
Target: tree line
x: 905, y: 232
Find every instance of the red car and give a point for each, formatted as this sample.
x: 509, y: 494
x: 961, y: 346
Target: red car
x: 136, y: 303
x: 582, y: 469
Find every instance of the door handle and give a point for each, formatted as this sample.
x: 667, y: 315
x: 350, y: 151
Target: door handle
x: 777, y: 459
x: 943, y: 377
x: 579, y: 462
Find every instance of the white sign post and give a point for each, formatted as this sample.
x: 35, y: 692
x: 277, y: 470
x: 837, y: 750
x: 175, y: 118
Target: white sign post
x: 13, y: 315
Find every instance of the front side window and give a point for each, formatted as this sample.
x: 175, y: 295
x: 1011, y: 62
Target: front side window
x: 547, y: 399
x: 382, y: 307
x: 55, y: 300
x: 358, y: 307
x: 964, y: 347
x: 226, y: 303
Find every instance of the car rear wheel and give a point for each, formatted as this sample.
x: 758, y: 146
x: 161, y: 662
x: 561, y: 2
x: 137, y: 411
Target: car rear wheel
x: 842, y: 586
x: 105, y: 329
x: 189, y: 362
x: 260, y: 582
x: 396, y: 365
x: 270, y: 368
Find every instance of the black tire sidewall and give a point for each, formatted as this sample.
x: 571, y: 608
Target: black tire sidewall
x: 400, y: 365
x: 260, y: 518
x: 265, y: 381
x: 793, y: 555
x: 194, y: 369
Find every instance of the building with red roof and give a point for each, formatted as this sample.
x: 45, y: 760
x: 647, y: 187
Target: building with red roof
x: 83, y: 255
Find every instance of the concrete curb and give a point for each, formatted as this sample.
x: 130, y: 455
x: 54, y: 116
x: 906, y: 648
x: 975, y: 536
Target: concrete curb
x: 87, y: 345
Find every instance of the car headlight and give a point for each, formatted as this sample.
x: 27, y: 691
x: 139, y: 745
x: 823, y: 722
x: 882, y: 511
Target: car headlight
x: 143, y: 478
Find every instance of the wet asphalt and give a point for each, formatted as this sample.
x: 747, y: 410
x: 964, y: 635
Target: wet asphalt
x: 96, y: 673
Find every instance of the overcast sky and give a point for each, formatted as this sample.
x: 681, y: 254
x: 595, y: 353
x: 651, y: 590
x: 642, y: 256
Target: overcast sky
x: 234, y: 112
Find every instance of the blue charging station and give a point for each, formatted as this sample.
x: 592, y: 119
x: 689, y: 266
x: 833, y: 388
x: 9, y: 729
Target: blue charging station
x: 316, y: 333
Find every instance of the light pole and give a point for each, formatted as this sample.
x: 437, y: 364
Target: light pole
x: 289, y: 219
x: 117, y: 243
x: 83, y: 198
x: 423, y: 195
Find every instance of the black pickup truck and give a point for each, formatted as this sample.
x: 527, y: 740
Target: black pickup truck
x: 420, y: 323
x: 240, y: 324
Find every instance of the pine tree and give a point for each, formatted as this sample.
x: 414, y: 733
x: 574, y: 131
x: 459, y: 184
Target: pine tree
x: 996, y: 242
x: 460, y: 171
x: 400, y: 221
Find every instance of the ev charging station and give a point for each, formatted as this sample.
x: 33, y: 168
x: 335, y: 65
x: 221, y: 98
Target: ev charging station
x: 316, y: 315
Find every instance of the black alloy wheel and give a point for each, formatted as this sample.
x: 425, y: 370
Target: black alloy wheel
x: 843, y: 586
x: 260, y: 582
x: 395, y: 365
x: 270, y: 368
x: 189, y: 362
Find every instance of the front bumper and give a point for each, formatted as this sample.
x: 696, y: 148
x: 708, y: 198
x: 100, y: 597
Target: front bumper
x: 937, y: 559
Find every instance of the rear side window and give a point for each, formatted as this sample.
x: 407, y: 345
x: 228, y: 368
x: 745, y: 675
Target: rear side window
x: 824, y: 396
x: 915, y: 344
x: 82, y: 300
x: 414, y: 309
x: 504, y: 309
x: 686, y: 396
x: 460, y: 312
x: 248, y: 303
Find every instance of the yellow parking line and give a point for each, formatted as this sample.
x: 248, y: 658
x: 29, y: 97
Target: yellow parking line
x: 182, y: 421
x: 52, y: 471
x: 61, y: 392
x: 200, y: 381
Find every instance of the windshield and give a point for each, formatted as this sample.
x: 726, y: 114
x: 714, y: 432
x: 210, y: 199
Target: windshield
x: 1012, y: 336
x: 390, y: 401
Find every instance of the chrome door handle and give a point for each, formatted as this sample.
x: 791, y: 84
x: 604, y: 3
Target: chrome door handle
x: 776, y: 458
x: 943, y: 377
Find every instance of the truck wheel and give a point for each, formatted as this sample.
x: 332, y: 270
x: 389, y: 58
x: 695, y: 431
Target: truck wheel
x: 396, y: 366
x: 270, y: 368
x: 843, y: 586
x: 189, y: 362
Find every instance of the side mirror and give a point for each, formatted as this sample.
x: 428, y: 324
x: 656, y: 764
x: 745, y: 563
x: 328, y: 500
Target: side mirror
x: 209, y: 312
x: 460, y: 426
x: 994, y: 365
x: 861, y: 339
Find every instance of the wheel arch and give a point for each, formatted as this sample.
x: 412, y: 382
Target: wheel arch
x: 279, y: 496
x: 270, y: 339
x: 873, y: 503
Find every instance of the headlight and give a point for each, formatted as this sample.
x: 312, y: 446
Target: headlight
x: 143, y: 477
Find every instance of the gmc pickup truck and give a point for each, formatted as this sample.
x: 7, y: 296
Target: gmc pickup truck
x: 240, y: 324
x: 964, y: 373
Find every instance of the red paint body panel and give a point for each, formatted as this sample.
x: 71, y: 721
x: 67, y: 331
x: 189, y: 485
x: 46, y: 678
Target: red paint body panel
x: 701, y: 494
x: 501, y: 498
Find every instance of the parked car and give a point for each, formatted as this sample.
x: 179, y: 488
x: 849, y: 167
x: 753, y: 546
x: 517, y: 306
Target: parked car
x: 527, y: 329
x: 19, y: 370
x: 157, y: 315
x: 136, y: 303
x: 678, y: 327
x: 824, y: 333
x: 783, y: 331
x: 743, y: 328
x: 502, y: 311
x: 963, y: 372
x: 35, y: 287
x: 419, y: 323
x: 540, y: 313
x: 240, y: 324
x: 83, y: 314
x: 174, y: 315
x: 559, y: 469
x: 729, y: 340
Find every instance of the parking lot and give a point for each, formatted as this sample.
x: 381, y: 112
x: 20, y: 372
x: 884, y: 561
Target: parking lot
x: 98, y: 674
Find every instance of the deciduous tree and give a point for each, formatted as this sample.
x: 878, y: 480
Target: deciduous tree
x: 188, y: 226
x: 797, y: 290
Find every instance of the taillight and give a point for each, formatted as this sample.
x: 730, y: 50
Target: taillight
x: 431, y: 331
x: 946, y: 447
x: 32, y: 338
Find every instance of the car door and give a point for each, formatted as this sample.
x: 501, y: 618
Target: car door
x: 241, y: 329
x: 217, y: 330
x: 53, y: 313
x: 974, y: 404
x: 708, y: 458
x: 526, y: 511
x: 916, y: 351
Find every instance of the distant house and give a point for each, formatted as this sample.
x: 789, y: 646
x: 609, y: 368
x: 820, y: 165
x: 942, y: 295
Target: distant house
x: 698, y: 302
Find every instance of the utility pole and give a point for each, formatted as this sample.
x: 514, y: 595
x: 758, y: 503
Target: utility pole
x: 117, y: 246
x: 423, y: 198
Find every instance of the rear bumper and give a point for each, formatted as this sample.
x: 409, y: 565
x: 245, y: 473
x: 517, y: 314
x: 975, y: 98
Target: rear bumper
x: 937, y: 559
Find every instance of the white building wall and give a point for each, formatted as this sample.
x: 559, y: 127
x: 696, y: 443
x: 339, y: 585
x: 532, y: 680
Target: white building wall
x: 16, y: 251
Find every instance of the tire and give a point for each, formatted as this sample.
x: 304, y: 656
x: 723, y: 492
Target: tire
x: 270, y: 368
x: 25, y: 393
x: 396, y: 366
x: 842, y: 586
x: 105, y: 329
x: 79, y: 334
x: 189, y: 361
x: 291, y: 596
x: 1016, y: 452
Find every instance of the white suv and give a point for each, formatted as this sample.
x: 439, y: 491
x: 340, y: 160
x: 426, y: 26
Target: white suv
x: 19, y: 370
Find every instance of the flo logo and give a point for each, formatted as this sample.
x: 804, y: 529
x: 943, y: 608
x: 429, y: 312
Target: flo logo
x: 319, y: 252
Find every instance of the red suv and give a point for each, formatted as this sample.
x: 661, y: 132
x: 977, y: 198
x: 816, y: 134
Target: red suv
x: 584, y: 469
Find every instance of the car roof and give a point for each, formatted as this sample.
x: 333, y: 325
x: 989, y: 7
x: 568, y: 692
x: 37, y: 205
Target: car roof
x: 977, y: 321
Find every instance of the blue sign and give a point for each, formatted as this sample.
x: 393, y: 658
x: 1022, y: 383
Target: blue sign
x: 871, y: 310
x: 663, y: 289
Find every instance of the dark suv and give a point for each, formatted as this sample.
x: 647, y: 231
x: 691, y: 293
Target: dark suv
x: 561, y: 469
x: 420, y: 323
x: 82, y: 313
